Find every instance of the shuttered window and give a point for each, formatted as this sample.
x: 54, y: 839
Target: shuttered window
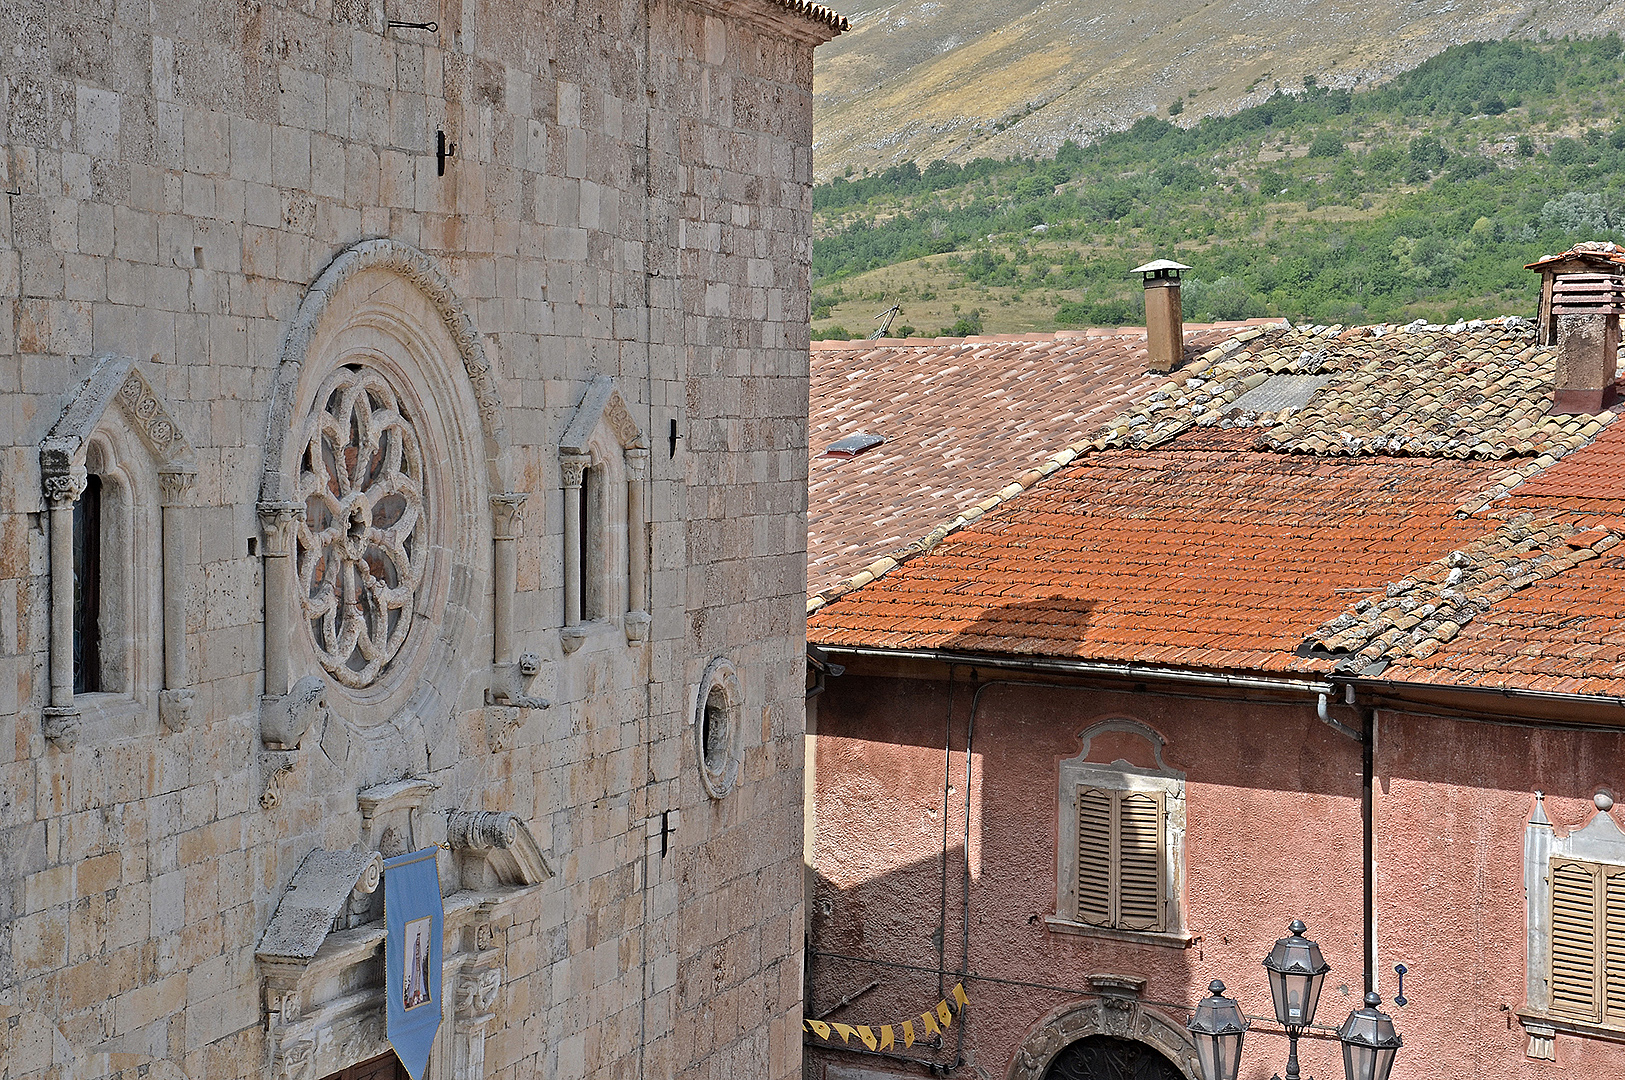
x: 1588, y: 941
x: 1120, y: 859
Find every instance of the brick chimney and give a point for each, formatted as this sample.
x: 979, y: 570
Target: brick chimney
x: 1582, y: 296
x: 1164, y: 322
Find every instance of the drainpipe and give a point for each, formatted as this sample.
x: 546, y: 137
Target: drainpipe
x: 1366, y: 736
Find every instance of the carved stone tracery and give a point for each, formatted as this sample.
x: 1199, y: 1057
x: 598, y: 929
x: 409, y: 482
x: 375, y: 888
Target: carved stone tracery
x: 361, y: 543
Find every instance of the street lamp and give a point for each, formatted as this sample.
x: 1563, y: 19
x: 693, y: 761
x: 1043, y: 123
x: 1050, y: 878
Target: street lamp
x: 1296, y: 970
x: 1217, y: 1028
x: 1369, y: 1042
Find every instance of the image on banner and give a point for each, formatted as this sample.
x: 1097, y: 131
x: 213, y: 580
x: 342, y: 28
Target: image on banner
x: 415, y: 990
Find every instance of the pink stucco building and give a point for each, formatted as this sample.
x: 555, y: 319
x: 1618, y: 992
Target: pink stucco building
x: 1323, y: 626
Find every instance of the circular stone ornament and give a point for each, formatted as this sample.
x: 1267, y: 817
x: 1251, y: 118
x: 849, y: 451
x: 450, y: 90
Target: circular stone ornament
x: 362, y: 545
x: 718, y: 730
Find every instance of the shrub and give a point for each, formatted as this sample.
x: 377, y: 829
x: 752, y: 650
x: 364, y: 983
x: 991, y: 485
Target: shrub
x: 1326, y: 144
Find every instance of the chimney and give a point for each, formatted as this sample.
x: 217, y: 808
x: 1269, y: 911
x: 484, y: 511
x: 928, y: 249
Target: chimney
x: 1164, y: 322
x: 1582, y: 295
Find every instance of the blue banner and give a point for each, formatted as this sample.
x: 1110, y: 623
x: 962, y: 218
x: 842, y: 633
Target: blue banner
x: 414, y: 920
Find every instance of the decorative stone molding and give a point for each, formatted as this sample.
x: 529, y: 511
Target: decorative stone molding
x: 275, y: 765
x: 494, y: 848
x: 421, y: 271
x: 386, y: 813
x: 477, y: 986
x: 602, y: 404
x: 1124, y: 1017
x: 719, y: 727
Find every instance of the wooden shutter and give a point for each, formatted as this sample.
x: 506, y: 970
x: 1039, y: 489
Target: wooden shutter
x: 1614, y: 944
x: 1574, y: 940
x: 1139, y: 860
x: 1094, y: 856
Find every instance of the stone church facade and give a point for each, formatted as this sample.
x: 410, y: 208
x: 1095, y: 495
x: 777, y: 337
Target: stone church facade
x: 403, y: 442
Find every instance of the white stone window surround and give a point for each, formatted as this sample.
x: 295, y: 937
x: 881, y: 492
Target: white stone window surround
x: 1121, y: 776
x: 1601, y: 842
x: 147, y: 469
x: 383, y: 305
x: 603, y: 465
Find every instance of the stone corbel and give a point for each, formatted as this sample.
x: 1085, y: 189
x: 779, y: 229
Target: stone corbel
x: 275, y: 767
x: 175, y: 700
x: 511, y: 682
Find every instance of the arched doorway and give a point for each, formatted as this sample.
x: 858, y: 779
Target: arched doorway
x: 1106, y: 1057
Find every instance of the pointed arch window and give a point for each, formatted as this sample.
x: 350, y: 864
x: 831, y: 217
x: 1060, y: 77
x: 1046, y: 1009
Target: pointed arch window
x: 116, y: 469
x: 603, y: 458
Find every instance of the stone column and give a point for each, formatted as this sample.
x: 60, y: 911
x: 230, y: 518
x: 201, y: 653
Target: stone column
x: 637, y: 547
x: 505, y: 521
x: 279, y: 522
x: 61, y: 717
x: 175, y: 700
x: 573, y: 468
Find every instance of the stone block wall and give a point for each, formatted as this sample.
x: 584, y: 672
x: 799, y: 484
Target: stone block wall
x: 628, y: 196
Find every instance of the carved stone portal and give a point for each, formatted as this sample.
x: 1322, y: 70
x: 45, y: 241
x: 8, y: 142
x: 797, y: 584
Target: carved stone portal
x: 1122, y: 1017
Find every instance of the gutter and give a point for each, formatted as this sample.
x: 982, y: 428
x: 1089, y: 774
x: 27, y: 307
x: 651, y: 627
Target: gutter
x: 1130, y: 672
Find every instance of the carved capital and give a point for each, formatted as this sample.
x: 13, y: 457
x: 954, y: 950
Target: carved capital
x: 572, y: 467
x: 65, y: 488
x: 572, y: 638
x: 637, y: 463
x: 476, y: 996
x: 61, y: 725
x: 295, y: 1062
x: 506, y: 514
x: 174, y: 483
x: 279, y: 520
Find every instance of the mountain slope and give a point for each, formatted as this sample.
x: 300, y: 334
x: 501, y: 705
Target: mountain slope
x: 957, y: 79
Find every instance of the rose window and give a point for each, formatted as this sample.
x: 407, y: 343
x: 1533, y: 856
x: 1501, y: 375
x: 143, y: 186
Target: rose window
x: 362, y: 543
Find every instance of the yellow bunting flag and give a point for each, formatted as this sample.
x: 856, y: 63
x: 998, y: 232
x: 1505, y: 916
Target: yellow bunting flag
x: 884, y: 1036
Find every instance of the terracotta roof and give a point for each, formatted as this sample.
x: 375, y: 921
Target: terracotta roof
x: 1203, y: 557
x: 1561, y: 633
x: 1374, y: 521
x: 961, y: 417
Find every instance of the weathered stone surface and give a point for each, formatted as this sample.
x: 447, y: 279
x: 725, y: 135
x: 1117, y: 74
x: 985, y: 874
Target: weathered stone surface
x: 241, y: 199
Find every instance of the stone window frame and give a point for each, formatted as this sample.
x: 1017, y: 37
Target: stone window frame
x: 719, y: 699
x: 1168, y: 785
x: 603, y: 465
x: 1599, y: 844
x: 147, y: 467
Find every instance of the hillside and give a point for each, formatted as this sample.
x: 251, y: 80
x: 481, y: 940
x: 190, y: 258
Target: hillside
x: 1419, y: 198
x: 918, y: 80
